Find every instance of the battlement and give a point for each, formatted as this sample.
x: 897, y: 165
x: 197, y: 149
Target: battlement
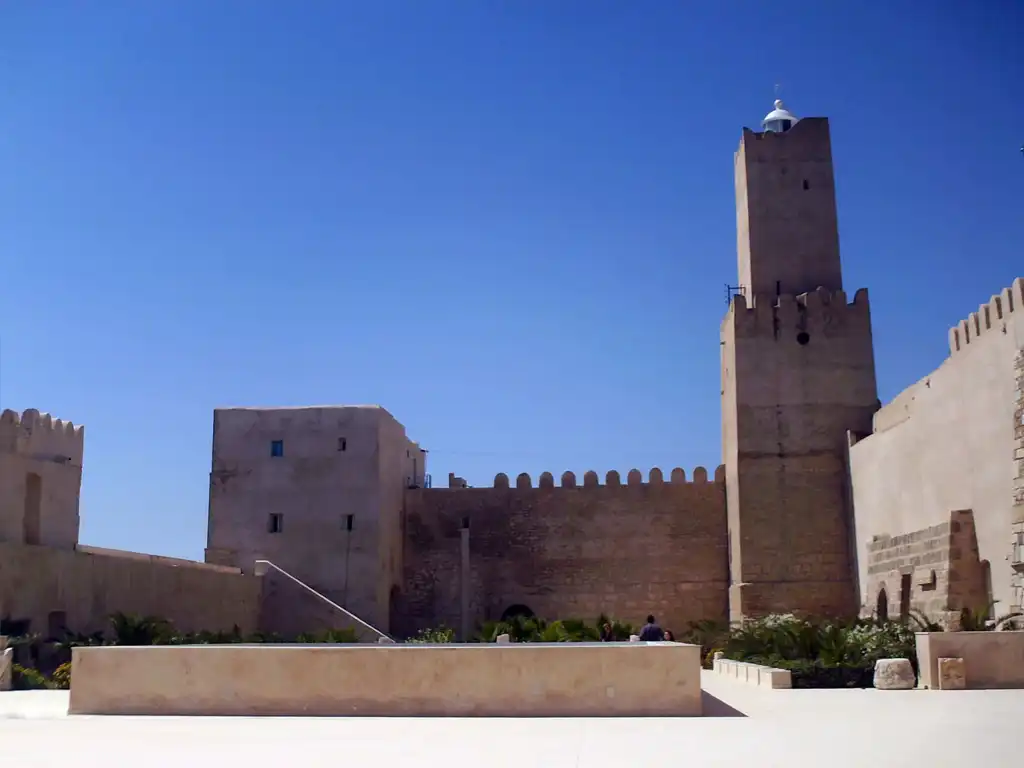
x: 989, y: 317
x: 809, y: 139
x: 39, y: 436
x: 821, y: 311
x: 612, y: 479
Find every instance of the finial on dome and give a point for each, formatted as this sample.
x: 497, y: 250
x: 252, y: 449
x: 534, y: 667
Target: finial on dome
x: 780, y: 119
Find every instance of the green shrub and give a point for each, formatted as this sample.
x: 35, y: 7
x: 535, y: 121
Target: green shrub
x: 821, y: 654
x: 129, y: 629
x: 440, y: 634
x: 815, y: 673
x: 61, y: 677
x: 570, y: 631
x: 27, y: 679
x: 621, y: 630
x: 345, y: 635
x: 709, y: 635
x: 520, y: 629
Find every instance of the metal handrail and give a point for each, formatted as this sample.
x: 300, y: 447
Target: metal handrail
x: 326, y: 599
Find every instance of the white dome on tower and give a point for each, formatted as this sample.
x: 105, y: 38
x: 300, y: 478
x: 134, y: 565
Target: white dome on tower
x: 779, y: 119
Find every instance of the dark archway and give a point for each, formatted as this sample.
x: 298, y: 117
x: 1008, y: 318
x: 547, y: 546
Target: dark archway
x: 33, y: 502
x: 514, y: 611
x: 906, y: 595
x: 882, y: 606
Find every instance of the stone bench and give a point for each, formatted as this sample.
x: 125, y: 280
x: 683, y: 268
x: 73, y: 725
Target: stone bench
x: 754, y: 674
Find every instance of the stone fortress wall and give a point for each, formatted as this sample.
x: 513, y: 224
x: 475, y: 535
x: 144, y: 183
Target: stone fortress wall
x: 49, y: 583
x: 951, y: 442
x: 572, y: 550
x: 824, y: 499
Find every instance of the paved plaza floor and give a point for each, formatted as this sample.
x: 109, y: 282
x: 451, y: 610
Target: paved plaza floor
x: 745, y: 727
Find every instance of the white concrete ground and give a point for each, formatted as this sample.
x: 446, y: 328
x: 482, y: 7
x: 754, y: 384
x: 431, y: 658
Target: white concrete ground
x: 781, y: 728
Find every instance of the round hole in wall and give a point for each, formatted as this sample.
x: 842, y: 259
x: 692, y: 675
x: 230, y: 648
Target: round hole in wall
x: 802, y: 338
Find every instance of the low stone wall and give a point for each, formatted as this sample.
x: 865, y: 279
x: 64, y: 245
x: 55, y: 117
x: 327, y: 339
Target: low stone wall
x: 991, y: 659
x: 53, y: 589
x: 522, y: 680
x: 754, y: 674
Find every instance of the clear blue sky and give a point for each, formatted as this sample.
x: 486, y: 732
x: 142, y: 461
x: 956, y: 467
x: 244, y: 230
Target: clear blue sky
x: 509, y: 223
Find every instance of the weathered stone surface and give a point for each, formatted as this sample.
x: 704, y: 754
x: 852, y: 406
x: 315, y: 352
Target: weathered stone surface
x: 894, y: 675
x: 6, y: 672
x: 566, y: 552
x: 952, y: 674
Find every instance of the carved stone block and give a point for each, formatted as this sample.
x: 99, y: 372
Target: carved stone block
x: 894, y: 675
x: 952, y: 674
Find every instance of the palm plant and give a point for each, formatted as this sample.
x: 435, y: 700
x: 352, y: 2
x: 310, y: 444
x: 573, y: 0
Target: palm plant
x: 921, y: 621
x: 981, y: 619
x: 129, y: 629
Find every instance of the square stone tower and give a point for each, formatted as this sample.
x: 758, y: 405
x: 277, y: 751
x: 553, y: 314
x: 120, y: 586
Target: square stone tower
x: 40, y: 479
x: 317, y: 491
x: 797, y: 373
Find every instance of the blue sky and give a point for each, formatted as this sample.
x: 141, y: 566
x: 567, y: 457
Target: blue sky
x: 509, y: 223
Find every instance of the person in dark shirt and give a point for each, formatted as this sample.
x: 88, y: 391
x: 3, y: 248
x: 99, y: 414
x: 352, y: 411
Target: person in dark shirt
x: 651, y: 632
x: 606, y: 633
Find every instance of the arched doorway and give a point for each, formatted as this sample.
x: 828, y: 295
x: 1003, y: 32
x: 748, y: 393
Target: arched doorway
x: 517, y: 611
x: 882, y: 606
x: 33, y: 502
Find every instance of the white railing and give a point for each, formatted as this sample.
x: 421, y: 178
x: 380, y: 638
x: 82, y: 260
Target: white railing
x: 267, y: 564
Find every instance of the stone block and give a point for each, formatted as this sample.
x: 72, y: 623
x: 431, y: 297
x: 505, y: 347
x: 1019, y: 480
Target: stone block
x: 894, y: 675
x: 417, y: 680
x: 952, y: 674
x: 6, y: 668
x: 634, y: 638
x: 503, y: 639
x: 385, y: 641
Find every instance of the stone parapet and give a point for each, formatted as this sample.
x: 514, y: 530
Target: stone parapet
x: 490, y: 680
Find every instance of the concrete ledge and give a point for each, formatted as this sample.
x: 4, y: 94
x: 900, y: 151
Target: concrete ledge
x: 523, y: 680
x: 754, y: 674
x: 990, y: 659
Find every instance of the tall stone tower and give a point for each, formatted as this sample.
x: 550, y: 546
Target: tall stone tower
x: 797, y: 373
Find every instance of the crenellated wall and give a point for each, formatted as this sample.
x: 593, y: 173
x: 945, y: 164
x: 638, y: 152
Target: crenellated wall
x: 949, y: 442
x: 40, y: 479
x: 993, y: 316
x: 569, y: 550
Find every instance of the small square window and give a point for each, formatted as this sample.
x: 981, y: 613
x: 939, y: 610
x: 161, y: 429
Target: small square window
x: 276, y: 523
x: 342, y: 444
x: 277, y: 448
